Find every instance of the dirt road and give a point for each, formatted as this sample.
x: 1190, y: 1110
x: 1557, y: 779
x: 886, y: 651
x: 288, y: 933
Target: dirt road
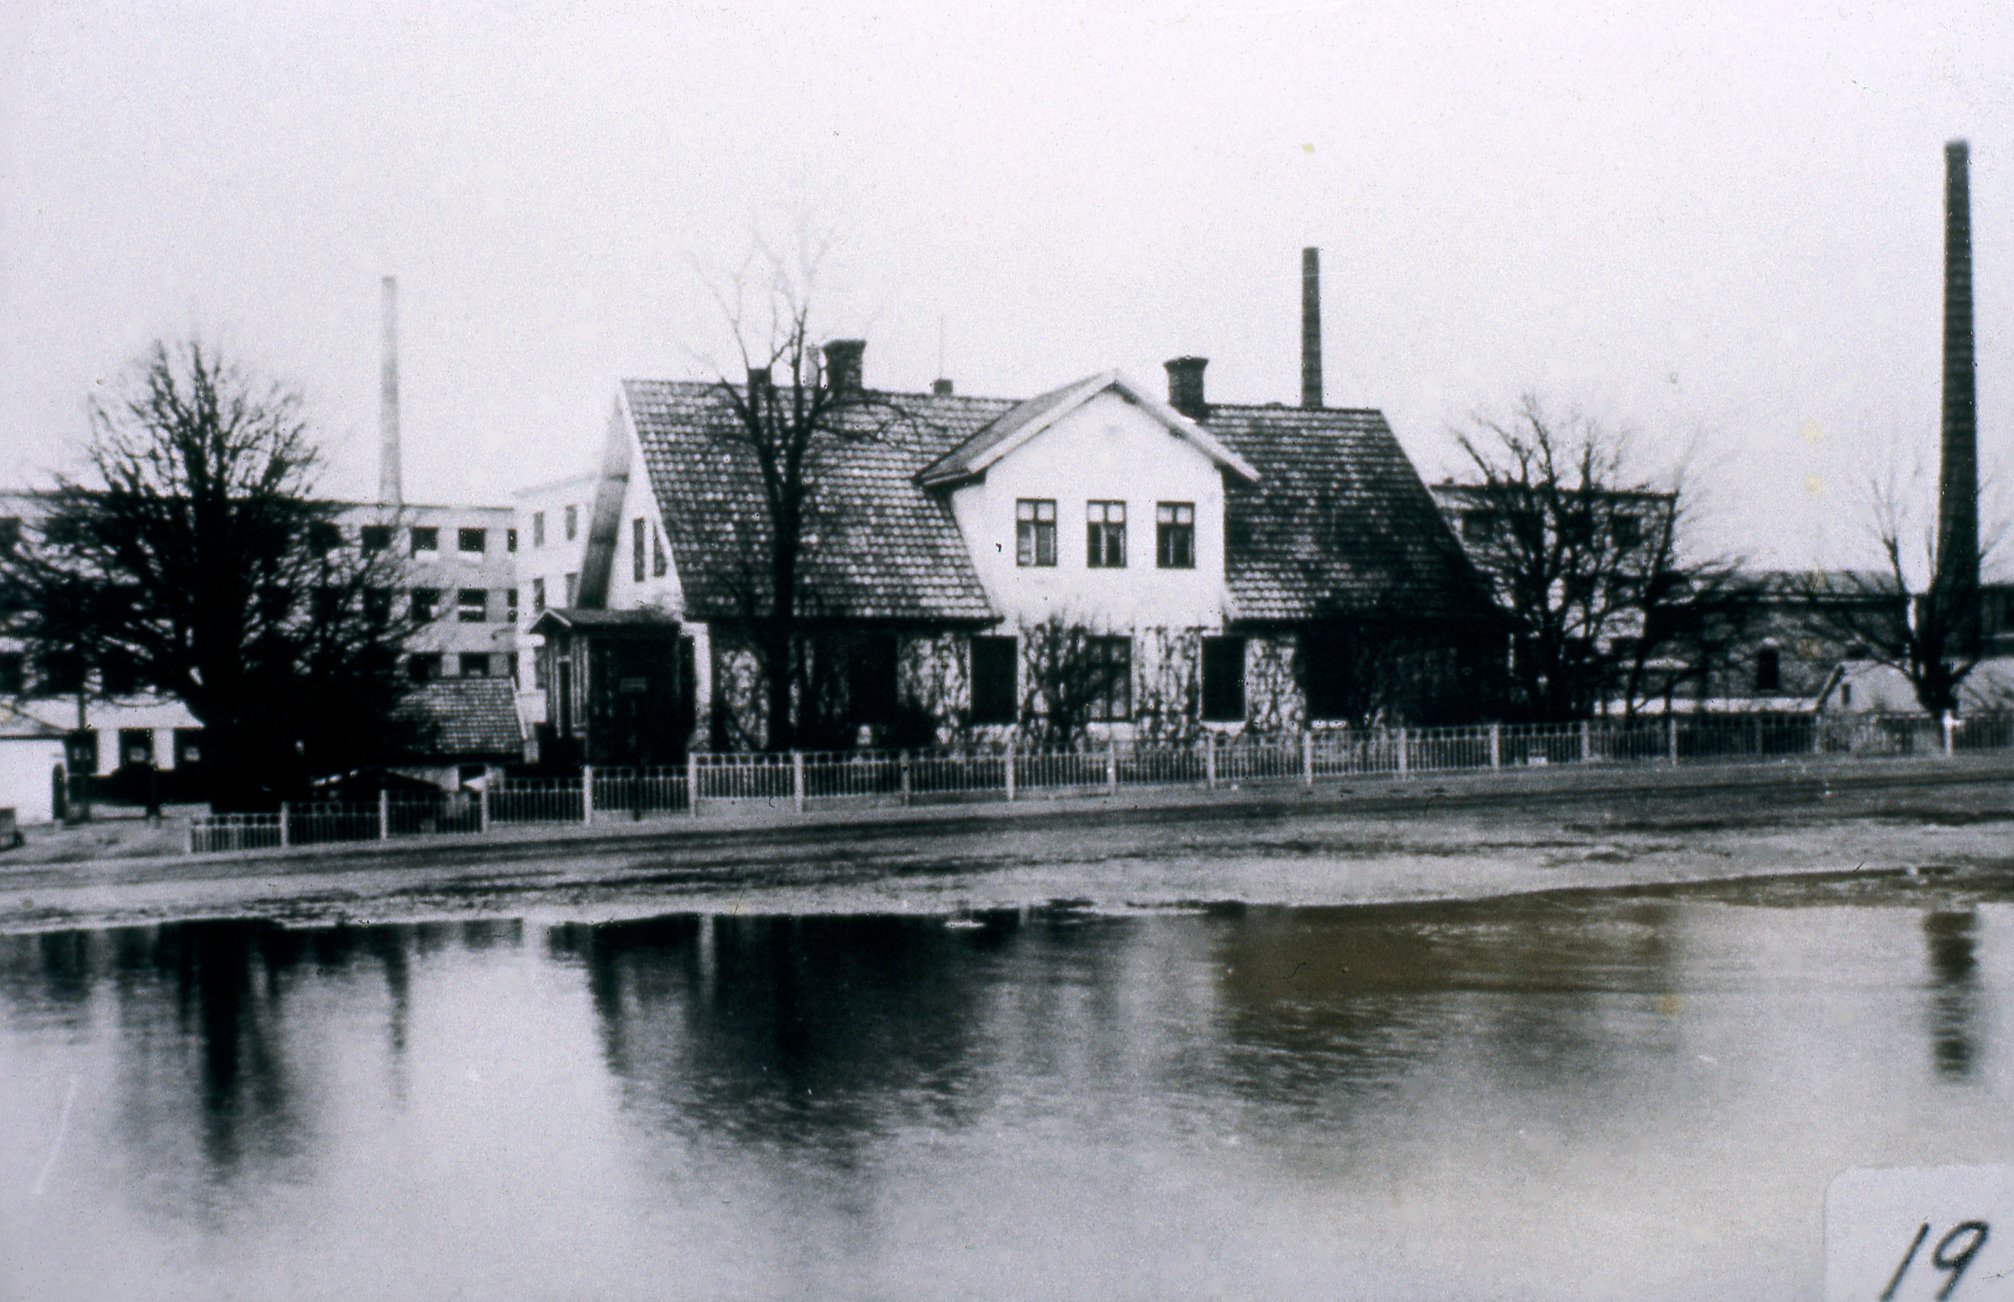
x: 1372, y: 842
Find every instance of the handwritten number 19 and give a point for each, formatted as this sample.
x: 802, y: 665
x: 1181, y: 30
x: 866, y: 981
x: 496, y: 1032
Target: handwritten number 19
x: 1947, y: 1256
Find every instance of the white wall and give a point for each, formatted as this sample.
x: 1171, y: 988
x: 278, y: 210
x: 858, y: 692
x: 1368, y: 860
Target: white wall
x: 624, y: 592
x: 25, y: 765
x: 1111, y: 450
x: 551, y: 561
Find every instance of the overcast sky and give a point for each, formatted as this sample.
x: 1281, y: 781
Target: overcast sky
x: 1721, y: 228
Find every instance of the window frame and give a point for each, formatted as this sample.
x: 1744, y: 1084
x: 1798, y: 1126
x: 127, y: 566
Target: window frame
x: 1113, y: 702
x: 432, y: 534
x: 472, y: 605
x: 374, y: 538
x: 538, y: 528
x: 425, y: 666
x: 1104, y: 534
x: 1175, y: 530
x: 482, y: 540
x: 572, y: 523
x: 1032, y: 529
x: 426, y: 605
x: 465, y: 659
x: 639, y: 541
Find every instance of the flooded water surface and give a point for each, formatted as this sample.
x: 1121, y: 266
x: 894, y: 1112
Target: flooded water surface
x: 1604, y: 1095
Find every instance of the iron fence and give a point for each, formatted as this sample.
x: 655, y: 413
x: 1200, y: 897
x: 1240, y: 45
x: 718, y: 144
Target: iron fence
x: 801, y: 780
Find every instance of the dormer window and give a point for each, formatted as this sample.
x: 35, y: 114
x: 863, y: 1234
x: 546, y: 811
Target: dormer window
x: 1105, y: 535
x: 1035, y: 531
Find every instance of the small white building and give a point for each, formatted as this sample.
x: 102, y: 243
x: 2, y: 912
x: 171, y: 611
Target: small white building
x: 31, y: 766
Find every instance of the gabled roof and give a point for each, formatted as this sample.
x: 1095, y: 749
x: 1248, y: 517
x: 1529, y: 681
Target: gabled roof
x: 1337, y: 520
x: 879, y: 546
x: 464, y: 718
x: 1024, y: 421
x: 17, y: 725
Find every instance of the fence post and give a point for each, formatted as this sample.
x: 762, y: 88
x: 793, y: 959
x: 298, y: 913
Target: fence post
x: 384, y: 813
x: 1496, y: 745
x: 587, y: 794
x: 1671, y: 738
x: 1010, y: 768
x: 1758, y: 736
x: 1586, y: 741
x: 1405, y: 753
x: 483, y: 805
x: 1210, y: 760
x: 192, y: 835
x: 1111, y: 766
x: 1948, y: 722
x: 284, y: 829
x: 797, y: 780
x: 692, y: 783
x: 1307, y: 757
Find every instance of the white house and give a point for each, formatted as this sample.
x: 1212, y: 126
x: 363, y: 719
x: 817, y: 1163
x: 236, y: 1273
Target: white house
x: 1225, y: 564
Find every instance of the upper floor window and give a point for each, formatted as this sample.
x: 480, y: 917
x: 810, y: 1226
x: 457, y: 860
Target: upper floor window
x: 1175, y: 535
x: 474, y: 664
x: 572, y: 589
x: 472, y: 605
x: 537, y: 596
x: 378, y: 605
x: 473, y: 542
x: 659, y: 562
x: 426, y: 604
x: 538, y: 528
x: 510, y: 540
x: 426, y: 539
x: 374, y: 537
x: 639, y: 544
x: 510, y: 603
x: 572, y: 522
x: 13, y: 673
x: 1035, y: 531
x: 1105, y: 535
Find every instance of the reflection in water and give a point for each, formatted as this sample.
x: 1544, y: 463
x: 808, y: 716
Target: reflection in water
x: 1952, y: 941
x: 791, y: 1104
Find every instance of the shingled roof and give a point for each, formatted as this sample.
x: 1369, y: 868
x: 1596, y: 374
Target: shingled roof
x: 464, y: 718
x: 878, y: 547
x: 1338, y: 520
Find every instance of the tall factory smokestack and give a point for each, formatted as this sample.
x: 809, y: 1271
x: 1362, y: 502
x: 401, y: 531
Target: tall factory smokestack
x: 1957, y: 577
x: 391, y: 490
x: 1311, y: 327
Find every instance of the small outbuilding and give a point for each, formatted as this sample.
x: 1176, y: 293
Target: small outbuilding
x: 32, y: 768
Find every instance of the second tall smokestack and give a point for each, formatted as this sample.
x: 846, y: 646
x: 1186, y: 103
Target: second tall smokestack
x: 1957, y: 576
x: 1311, y: 327
x: 391, y: 490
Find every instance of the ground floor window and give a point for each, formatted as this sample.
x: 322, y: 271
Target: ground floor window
x: 1224, y: 679
x: 475, y: 664
x: 136, y: 746
x: 1112, y: 684
x: 993, y: 669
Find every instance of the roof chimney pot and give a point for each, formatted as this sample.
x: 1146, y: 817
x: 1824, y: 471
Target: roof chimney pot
x: 843, y: 365
x: 1185, y: 386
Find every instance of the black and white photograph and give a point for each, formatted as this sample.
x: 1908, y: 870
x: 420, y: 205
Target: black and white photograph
x: 1132, y: 649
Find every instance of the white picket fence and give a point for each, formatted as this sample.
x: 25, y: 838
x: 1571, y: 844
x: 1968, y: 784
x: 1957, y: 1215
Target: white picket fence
x: 802, y: 779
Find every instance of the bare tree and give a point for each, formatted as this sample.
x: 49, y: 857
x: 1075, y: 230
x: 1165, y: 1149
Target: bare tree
x: 793, y: 412
x: 1584, y: 557
x: 1928, y: 630
x: 194, y: 558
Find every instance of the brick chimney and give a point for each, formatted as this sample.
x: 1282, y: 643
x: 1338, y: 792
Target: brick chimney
x: 1311, y: 328
x: 1957, y: 577
x: 1185, y: 386
x: 940, y: 388
x: 842, y: 365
